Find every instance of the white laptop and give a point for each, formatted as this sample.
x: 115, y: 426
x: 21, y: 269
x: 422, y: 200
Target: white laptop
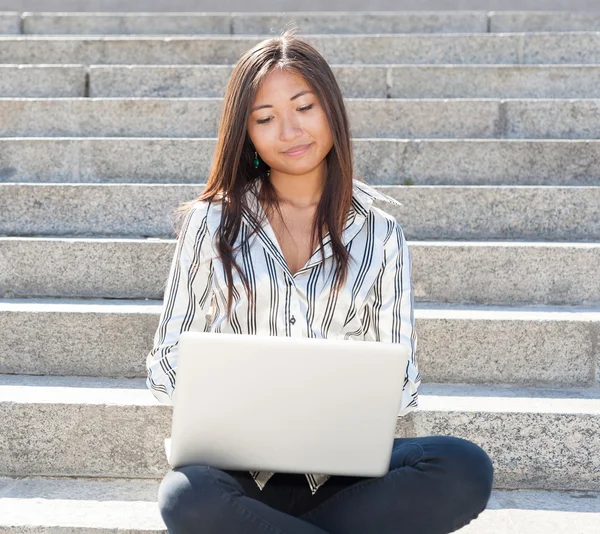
x: 284, y: 404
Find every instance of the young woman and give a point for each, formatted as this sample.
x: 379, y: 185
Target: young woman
x: 314, y: 259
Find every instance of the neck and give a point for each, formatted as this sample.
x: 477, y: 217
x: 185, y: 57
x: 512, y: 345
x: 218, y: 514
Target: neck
x: 299, y: 191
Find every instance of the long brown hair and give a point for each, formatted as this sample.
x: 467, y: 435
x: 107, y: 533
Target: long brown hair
x: 233, y: 172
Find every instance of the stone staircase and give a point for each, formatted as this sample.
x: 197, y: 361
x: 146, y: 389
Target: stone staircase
x: 485, y: 125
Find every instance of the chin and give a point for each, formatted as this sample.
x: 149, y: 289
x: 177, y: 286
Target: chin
x: 304, y: 168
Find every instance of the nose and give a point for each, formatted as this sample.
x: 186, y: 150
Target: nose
x: 290, y: 127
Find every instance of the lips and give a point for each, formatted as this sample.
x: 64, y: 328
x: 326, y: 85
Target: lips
x: 297, y: 150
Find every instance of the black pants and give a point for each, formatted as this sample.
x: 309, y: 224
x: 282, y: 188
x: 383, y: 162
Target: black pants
x: 435, y: 485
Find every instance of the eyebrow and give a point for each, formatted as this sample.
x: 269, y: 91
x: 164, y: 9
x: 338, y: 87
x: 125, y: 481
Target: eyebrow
x: 256, y: 108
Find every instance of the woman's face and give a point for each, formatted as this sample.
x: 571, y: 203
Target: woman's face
x: 292, y: 115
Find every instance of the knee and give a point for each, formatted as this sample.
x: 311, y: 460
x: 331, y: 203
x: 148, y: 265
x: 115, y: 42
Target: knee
x: 189, y: 496
x: 471, y: 470
x: 181, y: 491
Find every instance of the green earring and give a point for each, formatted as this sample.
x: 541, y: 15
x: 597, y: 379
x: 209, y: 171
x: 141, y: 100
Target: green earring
x: 256, y: 162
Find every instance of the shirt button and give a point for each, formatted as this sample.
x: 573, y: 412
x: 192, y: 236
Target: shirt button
x: 293, y: 319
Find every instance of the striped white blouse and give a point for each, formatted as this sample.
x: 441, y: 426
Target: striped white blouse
x: 376, y: 303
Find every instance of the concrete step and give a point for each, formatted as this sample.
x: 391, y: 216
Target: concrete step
x: 537, y: 512
x: 10, y: 23
x: 356, y: 81
x: 86, y: 505
x: 527, y: 345
x: 75, y: 426
x: 40, y: 81
x: 378, y: 161
x: 428, y: 212
x: 334, y: 22
x: 369, y: 117
x: 160, y: 6
x: 481, y: 48
x: 458, y: 272
x: 543, y: 21
x: 359, y: 81
x: 308, y: 22
x: 77, y: 505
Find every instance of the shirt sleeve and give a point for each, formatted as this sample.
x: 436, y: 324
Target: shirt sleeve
x: 393, y: 311
x: 186, y: 297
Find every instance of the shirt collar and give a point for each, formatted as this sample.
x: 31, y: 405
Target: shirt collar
x: 363, y: 193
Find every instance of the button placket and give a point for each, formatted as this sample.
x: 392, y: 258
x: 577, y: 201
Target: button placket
x: 295, y: 314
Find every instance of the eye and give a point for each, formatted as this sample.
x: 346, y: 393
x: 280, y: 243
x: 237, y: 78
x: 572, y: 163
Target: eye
x: 305, y: 108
